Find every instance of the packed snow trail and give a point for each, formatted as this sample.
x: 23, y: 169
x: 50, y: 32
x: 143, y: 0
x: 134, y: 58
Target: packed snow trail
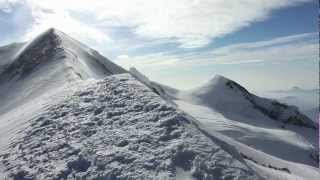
x: 117, y: 128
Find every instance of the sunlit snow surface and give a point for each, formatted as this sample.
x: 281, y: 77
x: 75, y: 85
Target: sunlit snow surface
x: 275, y: 147
x: 66, y: 112
x: 117, y: 128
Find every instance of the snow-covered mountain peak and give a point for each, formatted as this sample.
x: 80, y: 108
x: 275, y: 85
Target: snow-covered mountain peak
x: 59, y: 51
x: 46, y: 63
x: 35, y: 52
x: 230, y: 97
x: 276, y: 129
x: 219, y: 77
x: 217, y: 80
x: 220, y: 84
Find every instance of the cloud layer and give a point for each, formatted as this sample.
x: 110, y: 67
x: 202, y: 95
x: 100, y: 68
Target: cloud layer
x: 295, y: 47
x: 191, y: 23
x: 279, y: 62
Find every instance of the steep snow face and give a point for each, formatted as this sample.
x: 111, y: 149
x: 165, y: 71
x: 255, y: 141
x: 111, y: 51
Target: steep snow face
x: 54, y: 46
x: 48, y: 62
x: 228, y: 96
x: 117, y: 128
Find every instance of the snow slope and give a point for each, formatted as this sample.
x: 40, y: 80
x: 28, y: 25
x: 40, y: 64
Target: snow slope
x: 49, y: 61
x: 267, y: 133
x: 66, y: 112
x: 227, y: 96
x: 117, y: 128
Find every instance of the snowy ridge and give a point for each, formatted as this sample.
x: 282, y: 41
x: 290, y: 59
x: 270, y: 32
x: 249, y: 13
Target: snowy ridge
x: 67, y: 112
x: 61, y: 120
x: 272, y: 127
x: 227, y: 95
x: 118, y: 129
x: 278, y: 149
x: 48, y: 62
x: 54, y: 45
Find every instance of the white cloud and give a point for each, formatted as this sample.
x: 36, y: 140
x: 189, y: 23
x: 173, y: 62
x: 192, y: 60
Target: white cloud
x: 60, y: 19
x: 192, y: 23
x: 295, y: 47
x: 279, y: 41
x: 299, y: 51
x: 149, y: 61
x: 248, y: 63
x: 123, y: 57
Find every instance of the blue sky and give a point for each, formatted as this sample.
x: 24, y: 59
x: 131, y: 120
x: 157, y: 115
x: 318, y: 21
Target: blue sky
x: 262, y: 44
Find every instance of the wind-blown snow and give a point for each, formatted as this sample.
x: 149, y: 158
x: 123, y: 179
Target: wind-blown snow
x: 7, y: 54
